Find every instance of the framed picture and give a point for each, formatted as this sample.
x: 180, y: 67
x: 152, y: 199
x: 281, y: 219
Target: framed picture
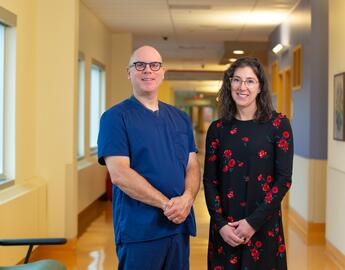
x: 339, y: 107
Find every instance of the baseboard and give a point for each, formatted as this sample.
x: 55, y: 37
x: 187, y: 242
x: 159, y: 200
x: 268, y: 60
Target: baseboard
x: 335, y: 255
x: 311, y: 233
x: 90, y: 213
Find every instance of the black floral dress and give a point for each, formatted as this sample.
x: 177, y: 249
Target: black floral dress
x: 248, y: 167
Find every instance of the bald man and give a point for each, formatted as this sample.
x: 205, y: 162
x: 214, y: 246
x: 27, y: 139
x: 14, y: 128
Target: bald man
x: 149, y: 150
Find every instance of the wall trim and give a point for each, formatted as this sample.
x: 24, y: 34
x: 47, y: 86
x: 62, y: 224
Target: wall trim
x: 310, y: 232
x: 335, y: 255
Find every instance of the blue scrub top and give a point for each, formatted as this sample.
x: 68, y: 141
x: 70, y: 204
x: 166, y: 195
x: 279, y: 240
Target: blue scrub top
x: 158, y: 146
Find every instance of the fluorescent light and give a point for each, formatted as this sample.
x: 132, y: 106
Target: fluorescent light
x: 279, y: 48
x: 238, y: 51
x: 231, y: 60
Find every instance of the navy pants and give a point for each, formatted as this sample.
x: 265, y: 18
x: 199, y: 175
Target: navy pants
x: 169, y: 253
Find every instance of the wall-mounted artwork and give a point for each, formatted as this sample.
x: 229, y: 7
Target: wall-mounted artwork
x: 339, y: 107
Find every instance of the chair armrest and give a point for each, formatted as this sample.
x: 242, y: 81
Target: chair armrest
x: 32, y: 241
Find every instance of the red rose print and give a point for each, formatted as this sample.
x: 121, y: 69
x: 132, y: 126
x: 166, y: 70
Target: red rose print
x: 246, y: 179
x: 232, y: 163
x: 218, y: 267
x: 258, y: 244
x: 220, y: 250
x: 283, y: 144
x: 281, y: 248
x: 275, y: 190
x: 233, y: 131
x: 225, y: 168
x: 227, y: 153
x: 268, y: 197
x: 265, y: 187
x: 260, y: 177
x: 280, y: 239
x: 245, y: 139
x: 276, y: 122
x: 286, y: 134
x: 230, y: 219
x: 262, y: 153
x: 255, y: 254
x: 219, y: 211
x: 233, y: 260
x: 288, y: 184
x: 240, y: 164
x: 270, y: 233
x: 212, y: 158
x: 276, y: 229
x: 280, y: 115
x: 219, y: 124
x: 230, y: 194
x: 269, y: 179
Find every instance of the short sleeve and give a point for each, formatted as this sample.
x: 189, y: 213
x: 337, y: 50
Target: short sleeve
x: 112, y: 136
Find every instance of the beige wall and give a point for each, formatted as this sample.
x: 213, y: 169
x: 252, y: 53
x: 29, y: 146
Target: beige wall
x: 335, y: 218
x: 166, y: 94
x: 121, y: 50
x: 42, y: 202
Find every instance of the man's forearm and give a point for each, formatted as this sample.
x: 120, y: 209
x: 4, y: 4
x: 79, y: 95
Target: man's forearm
x: 134, y: 185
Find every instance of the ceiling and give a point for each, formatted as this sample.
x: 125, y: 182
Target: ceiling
x: 195, y: 35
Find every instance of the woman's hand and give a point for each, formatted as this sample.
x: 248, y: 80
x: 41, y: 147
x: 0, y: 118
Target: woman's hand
x: 227, y: 232
x: 242, y: 230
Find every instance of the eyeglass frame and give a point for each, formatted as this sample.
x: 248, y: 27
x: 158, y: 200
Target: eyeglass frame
x: 243, y: 81
x: 134, y: 64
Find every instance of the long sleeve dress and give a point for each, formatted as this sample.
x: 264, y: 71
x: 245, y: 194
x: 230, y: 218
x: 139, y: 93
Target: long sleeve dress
x: 248, y: 168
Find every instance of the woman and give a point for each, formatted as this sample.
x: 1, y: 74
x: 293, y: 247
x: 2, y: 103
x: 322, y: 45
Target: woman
x: 248, y: 167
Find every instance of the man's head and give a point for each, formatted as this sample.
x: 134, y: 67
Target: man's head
x: 145, y: 70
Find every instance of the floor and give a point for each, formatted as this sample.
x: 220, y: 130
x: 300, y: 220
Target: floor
x: 95, y: 249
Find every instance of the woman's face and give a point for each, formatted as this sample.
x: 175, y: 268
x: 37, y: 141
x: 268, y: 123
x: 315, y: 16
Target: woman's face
x: 245, y: 87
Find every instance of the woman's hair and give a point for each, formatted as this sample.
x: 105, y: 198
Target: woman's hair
x: 227, y: 106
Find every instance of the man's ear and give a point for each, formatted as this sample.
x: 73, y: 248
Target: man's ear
x: 128, y: 74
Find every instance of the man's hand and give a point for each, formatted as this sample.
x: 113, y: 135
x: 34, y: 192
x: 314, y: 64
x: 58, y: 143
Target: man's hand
x: 243, y: 230
x: 228, y: 234
x: 178, y: 208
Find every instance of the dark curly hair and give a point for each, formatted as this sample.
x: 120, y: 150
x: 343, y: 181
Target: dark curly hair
x: 227, y: 106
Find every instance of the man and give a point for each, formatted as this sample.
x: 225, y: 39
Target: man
x: 149, y: 150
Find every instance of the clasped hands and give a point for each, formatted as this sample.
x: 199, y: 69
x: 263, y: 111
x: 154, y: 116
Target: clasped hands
x: 178, y: 208
x: 237, y: 233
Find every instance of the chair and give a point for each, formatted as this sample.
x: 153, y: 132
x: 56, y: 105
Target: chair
x: 38, y: 265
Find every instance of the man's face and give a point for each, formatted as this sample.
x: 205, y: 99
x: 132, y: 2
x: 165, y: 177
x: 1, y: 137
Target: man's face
x: 148, y: 80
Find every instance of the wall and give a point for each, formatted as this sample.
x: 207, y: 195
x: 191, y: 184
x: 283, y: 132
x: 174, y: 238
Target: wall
x: 166, y: 94
x: 307, y: 26
x: 335, y: 218
x: 42, y: 202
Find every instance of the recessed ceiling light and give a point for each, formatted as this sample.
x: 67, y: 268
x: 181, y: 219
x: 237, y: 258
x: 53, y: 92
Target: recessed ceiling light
x: 238, y: 51
x: 231, y: 60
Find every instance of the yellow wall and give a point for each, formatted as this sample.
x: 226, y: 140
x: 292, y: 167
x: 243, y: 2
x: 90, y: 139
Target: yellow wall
x: 42, y: 201
x: 166, y: 94
x: 335, y: 204
x: 121, y: 50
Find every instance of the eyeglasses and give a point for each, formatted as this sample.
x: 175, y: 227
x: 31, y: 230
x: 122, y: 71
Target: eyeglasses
x: 140, y: 66
x: 237, y: 82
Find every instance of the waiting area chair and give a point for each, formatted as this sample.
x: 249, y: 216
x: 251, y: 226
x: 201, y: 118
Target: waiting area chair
x: 38, y: 265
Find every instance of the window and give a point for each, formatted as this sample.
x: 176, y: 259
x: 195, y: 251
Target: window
x: 7, y: 96
x: 97, y: 102
x: 81, y: 109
